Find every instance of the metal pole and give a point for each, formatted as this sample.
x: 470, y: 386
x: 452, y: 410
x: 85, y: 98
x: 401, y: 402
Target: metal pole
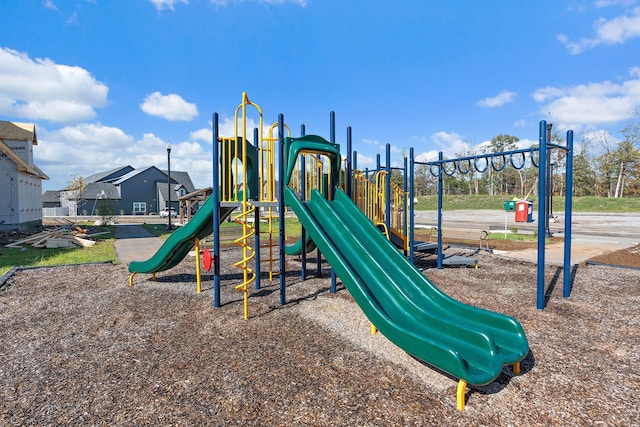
x: 567, y: 216
x: 169, y: 226
x: 283, y: 292
x: 349, y: 172
x: 216, y: 213
x: 387, y: 202
x: 542, y: 210
x: 549, y: 178
x: 303, y: 235
x: 256, y: 221
x: 411, y: 205
x: 405, y: 188
x: 440, y: 168
x: 332, y: 184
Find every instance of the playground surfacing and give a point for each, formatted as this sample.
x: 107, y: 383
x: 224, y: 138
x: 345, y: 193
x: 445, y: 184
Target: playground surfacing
x: 81, y: 347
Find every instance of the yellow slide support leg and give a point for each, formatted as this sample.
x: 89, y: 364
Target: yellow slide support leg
x: 131, y: 279
x: 198, y: 279
x: 516, y: 368
x: 462, y: 385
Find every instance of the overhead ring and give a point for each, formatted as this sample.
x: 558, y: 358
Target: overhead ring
x: 466, y: 171
x: 493, y: 165
x: 534, y: 162
x: 475, y: 164
x: 513, y: 164
x: 431, y: 169
x: 452, y: 171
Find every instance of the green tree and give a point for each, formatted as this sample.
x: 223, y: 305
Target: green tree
x: 75, y: 192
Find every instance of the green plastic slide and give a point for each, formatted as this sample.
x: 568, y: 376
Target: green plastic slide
x: 467, y: 342
x: 181, y: 241
x: 296, y: 248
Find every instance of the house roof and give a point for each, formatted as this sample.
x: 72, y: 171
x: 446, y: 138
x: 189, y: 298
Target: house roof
x: 51, y: 196
x: 18, y: 131
x: 183, y: 178
x: 112, y: 174
x: 101, y: 190
x: 164, y: 193
x: 131, y: 174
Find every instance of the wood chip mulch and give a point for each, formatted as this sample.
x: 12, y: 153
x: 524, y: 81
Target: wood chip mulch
x: 80, y: 347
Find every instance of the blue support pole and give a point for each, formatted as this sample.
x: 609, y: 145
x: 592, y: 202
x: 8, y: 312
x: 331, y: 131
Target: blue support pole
x: 349, y: 170
x: 405, y: 188
x: 411, y: 205
x: 256, y: 220
x: 303, y: 235
x: 216, y: 213
x: 281, y: 165
x: 332, y: 183
x: 542, y: 209
x: 568, y: 206
x: 387, y: 201
x: 440, y: 169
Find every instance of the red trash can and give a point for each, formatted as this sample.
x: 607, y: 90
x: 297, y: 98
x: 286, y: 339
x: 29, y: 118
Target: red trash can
x: 524, y: 211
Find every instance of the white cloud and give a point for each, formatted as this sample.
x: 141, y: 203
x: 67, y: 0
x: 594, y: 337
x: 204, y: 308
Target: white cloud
x: 167, y: 4
x: 607, y: 32
x: 499, y: 100
x: 40, y: 89
x: 48, y: 4
x: 591, y: 104
x: 171, y: 107
x: 72, y: 150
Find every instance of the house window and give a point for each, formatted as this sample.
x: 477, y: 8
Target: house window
x: 182, y: 192
x: 139, y: 207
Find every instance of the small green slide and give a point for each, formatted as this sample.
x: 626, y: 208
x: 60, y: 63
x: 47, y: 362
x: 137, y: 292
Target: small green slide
x: 178, y: 245
x: 296, y: 248
x: 467, y: 342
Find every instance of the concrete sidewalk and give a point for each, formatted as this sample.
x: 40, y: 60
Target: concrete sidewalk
x: 135, y: 243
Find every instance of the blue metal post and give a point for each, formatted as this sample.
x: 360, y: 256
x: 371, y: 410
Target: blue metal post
x: 568, y: 206
x: 440, y: 169
x: 542, y: 209
x: 411, y: 205
x: 405, y: 187
x: 216, y: 213
x: 303, y: 234
x: 281, y: 165
x: 387, y: 201
x: 332, y: 183
x: 349, y: 171
x: 256, y: 220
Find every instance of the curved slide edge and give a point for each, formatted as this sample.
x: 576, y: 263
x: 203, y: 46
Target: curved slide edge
x: 181, y: 241
x: 469, y: 343
x: 296, y: 248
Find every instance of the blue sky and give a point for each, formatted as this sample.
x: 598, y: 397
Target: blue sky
x: 110, y: 82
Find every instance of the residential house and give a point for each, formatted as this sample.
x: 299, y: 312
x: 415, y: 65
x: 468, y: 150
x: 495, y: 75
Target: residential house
x: 20, y: 178
x: 143, y: 191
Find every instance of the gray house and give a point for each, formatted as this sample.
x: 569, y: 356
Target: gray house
x: 131, y: 191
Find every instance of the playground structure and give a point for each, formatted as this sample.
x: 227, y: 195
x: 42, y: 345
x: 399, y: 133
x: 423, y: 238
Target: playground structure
x: 358, y: 222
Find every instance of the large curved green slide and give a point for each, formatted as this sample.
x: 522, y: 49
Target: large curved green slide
x: 181, y: 241
x: 467, y: 342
